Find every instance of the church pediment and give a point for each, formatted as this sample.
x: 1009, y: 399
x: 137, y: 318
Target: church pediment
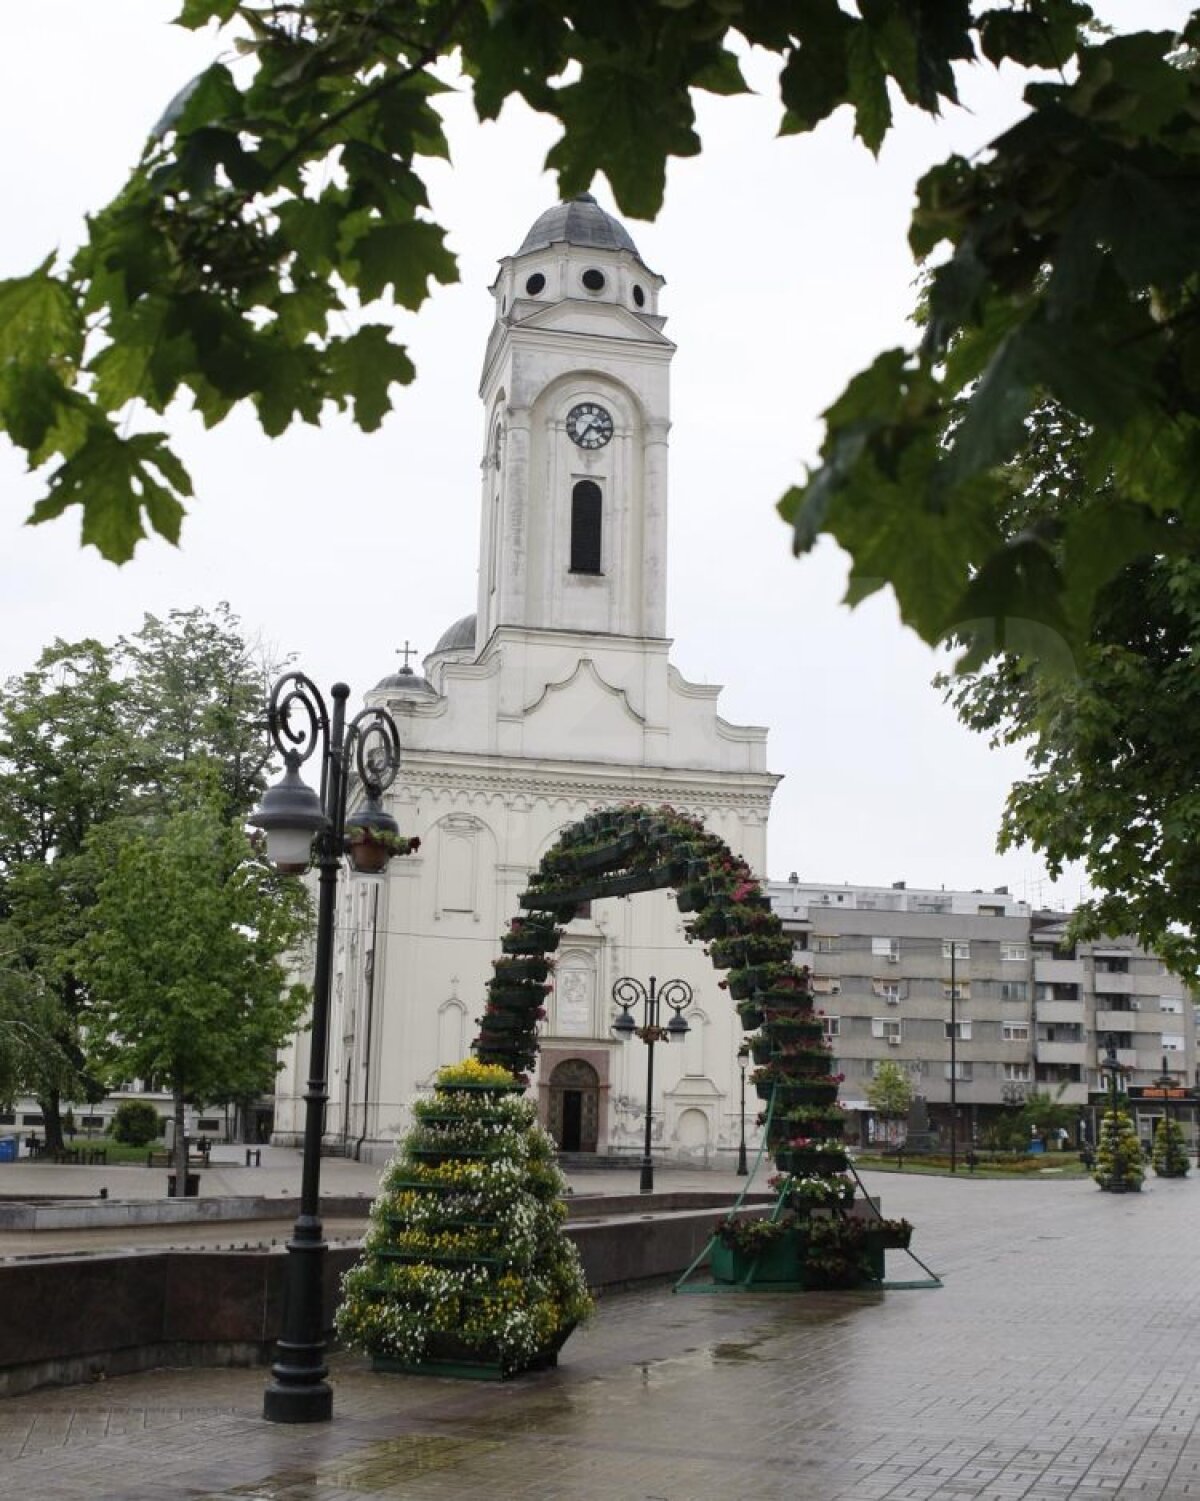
x: 604, y: 319
x: 582, y: 716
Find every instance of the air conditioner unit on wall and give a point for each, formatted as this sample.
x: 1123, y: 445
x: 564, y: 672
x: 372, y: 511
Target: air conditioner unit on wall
x: 893, y: 1042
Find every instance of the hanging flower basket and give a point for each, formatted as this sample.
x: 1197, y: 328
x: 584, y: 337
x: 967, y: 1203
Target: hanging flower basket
x: 819, y: 1160
x: 529, y: 967
x: 751, y: 1014
x: 531, y: 941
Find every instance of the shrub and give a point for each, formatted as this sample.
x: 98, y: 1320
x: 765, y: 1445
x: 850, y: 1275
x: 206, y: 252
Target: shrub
x: 136, y: 1123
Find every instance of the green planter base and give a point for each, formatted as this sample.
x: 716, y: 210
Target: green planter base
x: 449, y: 1356
x: 778, y: 1264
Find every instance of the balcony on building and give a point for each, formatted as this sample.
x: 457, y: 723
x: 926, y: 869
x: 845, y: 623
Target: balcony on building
x: 1065, y: 1013
x: 1118, y: 1014
x: 1061, y: 1052
x: 1112, y: 982
x: 1058, y: 971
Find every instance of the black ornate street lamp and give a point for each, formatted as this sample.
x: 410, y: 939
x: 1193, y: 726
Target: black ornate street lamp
x: 298, y: 824
x: 1113, y: 1067
x: 677, y: 994
x: 743, y: 1058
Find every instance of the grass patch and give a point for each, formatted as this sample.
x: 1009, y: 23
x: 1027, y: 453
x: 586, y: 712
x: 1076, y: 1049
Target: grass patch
x: 988, y: 1165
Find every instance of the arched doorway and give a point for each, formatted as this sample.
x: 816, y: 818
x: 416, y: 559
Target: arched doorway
x: 574, y: 1106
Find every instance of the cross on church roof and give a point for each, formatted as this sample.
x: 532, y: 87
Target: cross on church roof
x: 406, y: 651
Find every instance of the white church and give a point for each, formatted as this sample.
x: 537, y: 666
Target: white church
x: 557, y: 696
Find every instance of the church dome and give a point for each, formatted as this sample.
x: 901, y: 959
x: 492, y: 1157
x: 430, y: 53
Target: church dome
x: 406, y: 681
x: 579, y: 222
x: 459, y: 637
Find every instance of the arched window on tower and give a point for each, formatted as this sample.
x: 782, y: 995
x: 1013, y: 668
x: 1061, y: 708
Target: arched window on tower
x: 586, y: 511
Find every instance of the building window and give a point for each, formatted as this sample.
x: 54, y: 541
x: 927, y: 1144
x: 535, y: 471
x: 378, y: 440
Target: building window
x: 881, y: 1026
x: 1015, y: 1032
x: 888, y: 990
x: 832, y: 1025
x: 7, y: 1118
x: 962, y: 1029
x: 1017, y: 1073
x: 209, y: 1123
x: 962, y: 990
x: 885, y: 948
x: 960, y: 947
x: 962, y: 1072
x: 586, y: 511
x: 1013, y: 953
x: 823, y: 985
x: 1014, y: 990
x: 824, y: 943
x: 1110, y: 965
x: 1172, y: 1003
x: 1172, y: 1042
x: 33, y: 1120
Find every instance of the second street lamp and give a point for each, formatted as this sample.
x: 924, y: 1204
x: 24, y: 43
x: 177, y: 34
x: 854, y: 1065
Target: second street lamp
x: 292, y: 816
x: 677, y: 995
x: 743, y: 1058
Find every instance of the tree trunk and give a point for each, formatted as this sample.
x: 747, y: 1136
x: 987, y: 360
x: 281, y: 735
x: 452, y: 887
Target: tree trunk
x: 51, y: 1108
x: 181, y: 1151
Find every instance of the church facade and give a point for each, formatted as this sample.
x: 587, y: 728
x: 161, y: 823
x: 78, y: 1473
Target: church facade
x: 557, y: 696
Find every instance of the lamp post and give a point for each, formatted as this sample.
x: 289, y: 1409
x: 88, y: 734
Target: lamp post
x: 677, y: 994
x: 1110, y: 1066
x: 953, y: 1057
x: 743, y: 1058
x: 298, y: 823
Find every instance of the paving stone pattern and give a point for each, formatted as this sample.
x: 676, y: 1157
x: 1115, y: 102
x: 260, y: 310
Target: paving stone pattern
x: 1058, y: 1361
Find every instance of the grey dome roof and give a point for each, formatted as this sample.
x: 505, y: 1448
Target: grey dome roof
x: 460, y: 637
x: 580, y: 222
x: 405, y: 680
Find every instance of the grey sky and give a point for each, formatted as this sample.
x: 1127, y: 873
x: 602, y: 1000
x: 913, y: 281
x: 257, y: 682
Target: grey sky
x: 787, y: 271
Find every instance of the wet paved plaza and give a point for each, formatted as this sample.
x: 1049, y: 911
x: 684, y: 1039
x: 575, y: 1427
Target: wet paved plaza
x: 1060, y: 1359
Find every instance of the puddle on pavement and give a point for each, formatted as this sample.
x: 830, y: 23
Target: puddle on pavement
x: 372, y: 1470
x: 732, y: 1352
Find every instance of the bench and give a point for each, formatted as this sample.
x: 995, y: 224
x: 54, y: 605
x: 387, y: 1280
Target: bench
x: 197, y: 1156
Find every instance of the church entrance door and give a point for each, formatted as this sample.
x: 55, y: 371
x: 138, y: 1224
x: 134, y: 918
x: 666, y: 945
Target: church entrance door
x: 575, y: 1106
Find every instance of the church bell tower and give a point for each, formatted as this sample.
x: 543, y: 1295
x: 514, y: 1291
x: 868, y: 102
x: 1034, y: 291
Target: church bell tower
x: 575, y: 391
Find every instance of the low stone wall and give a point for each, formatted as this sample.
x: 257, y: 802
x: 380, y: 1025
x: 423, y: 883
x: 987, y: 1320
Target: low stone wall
x: 69, y: 1319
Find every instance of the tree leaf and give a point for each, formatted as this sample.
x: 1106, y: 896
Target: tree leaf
x: 405, y: 257
x: 39, y: 319
x: 363, y: 367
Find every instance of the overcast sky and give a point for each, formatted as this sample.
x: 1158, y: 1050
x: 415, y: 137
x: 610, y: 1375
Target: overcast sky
x: 787, y: 271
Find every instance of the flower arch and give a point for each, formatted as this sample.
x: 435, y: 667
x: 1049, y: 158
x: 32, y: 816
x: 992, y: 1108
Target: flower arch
x: 621, y: 851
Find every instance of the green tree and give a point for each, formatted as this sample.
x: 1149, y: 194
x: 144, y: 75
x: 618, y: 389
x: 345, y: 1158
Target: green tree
x: 66, y: 765
x: 1113, y: 775
x: 93, y: 734
x: 890, y: 1092
x: 1170, y: 1156
x: 136, y: 1123
x: 273, y: 208
x: 1119, y: 1165
x: 185, y: 958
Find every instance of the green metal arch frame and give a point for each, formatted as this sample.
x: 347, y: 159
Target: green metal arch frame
x: 630, y: 849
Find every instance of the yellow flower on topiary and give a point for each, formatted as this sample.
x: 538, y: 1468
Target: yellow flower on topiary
x: 472, y: 1071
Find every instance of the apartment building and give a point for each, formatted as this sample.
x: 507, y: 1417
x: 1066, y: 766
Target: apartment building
x: 978, y: 987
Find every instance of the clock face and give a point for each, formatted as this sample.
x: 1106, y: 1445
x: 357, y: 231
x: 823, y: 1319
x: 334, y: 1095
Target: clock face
x: 589, y: 425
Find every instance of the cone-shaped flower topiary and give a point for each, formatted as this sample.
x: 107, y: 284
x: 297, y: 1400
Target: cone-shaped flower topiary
x: 1119, y: 1166
x: 1170, y: 1155
x: 466, y: 1266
